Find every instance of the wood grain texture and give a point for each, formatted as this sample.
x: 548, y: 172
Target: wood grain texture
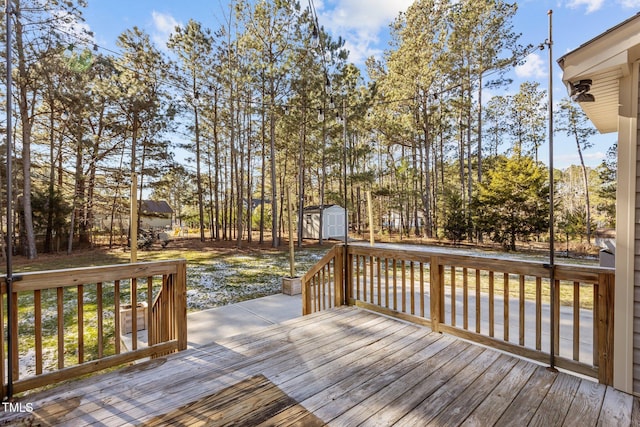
x: 340, y: 367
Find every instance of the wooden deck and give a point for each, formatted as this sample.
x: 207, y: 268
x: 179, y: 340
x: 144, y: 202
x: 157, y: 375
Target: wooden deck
x: 340, y: 367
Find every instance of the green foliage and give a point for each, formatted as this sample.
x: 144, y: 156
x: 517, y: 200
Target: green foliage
x: 513, y: 202
x: 57, y: 205
x: 242, y: 100
x: 574, y: 224
x: 78, y: 61
x: 255, y: 216
x: 456, y: 224
x: 608, y: 186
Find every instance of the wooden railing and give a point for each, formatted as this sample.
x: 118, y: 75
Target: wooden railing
x: 501, y: 303
x: 68, y: 323
x: 321, y: 284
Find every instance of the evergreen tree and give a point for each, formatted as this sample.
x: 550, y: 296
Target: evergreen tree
x: 607, y: 190
x: 574, y: 123
x: 513, y: 202
x: 35, y: 35
x: 193, y: 45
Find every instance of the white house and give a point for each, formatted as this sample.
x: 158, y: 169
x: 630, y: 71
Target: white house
x: 602, y: 75
x: 333, y: 222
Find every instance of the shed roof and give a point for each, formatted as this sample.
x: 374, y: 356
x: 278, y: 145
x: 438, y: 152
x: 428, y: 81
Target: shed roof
x: 155, y: 207
x: 604, y: 59
x: 317, y: 208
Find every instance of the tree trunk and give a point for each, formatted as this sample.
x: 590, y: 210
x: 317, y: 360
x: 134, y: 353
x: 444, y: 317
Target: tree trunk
x: 198, y: 172
x: 26, y: 121
x: 48, y: 239
x: 216, y: 167
x: 274, y: 183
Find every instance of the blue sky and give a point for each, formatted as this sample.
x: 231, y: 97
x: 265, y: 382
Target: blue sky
x: 365, y: 26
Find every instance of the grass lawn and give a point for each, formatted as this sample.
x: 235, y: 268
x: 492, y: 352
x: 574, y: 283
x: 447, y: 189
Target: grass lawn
x: 218, y: 273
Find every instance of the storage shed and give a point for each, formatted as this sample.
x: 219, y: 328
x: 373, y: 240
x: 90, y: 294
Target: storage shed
x: 155, y: 214
x: 333, y: 222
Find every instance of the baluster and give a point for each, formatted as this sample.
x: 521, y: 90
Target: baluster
x: 556, y: 309
x: 324, y: 290
x: 80, y: 296
x: 99, y: 307
x: 538, y: 313
x: 413, y: 297
x: 116, y: 300
x: 379, y: 279
x: 422, y: 296
x: 150, y: 327
x: 134, y: 313
x: 403, y: 276
x: 319, y: 295
x: 357, y: 277
x: 371, y: 261
x: 60, y: 308
x: 596, y: 321
x: 313, y: 290
x: 491, y: 305
x: 14, y: 344
x: 576, y: 320
x: 478, y: 313
x: 506, y: 306
x: 521, y: 338
x: 386, y: 282
x: 395, y: 285
x: 453, y: 296
x: 465, y: 299
x: 37, y: 302
x: 331, y: 302
x: 3, y: 324
x: 364, y: 278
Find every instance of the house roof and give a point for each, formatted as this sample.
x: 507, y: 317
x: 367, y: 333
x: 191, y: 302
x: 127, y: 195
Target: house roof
x: 317, y: 208
x: 605, y: 59
x: 155, y: 207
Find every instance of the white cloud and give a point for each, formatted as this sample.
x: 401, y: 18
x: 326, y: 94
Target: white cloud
x: 630, y: 4
x: 592, y: 5
x: 534, y: 66
x: 368, y: 15
x: 163, y: 25
x: 360, y: 22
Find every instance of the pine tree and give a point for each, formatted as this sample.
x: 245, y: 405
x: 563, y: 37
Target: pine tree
x: 574, y: 123
x: 512, y: 203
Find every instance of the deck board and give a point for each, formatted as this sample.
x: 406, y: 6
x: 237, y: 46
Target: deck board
x: 498, y: 400
x: 616, y: 409
x: 190, y: 384
x: 526, y: 403
x: 554, y: 407
x: 341, y: 367
x: 465, y: 403
x: 586, y: 405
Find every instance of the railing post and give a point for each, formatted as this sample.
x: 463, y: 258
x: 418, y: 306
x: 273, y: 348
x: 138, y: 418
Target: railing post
x: 436, y: 273
x: 341, y: 296
x: 605, y: 314
x: 348, y: 274
x: 180, y: 289
x: 306, y: 296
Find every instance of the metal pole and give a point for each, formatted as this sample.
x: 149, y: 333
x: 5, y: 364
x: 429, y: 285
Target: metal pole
x: 9, y: 277
x: 552, y: 278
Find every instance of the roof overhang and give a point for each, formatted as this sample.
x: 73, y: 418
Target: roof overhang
x: 604, y: 60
